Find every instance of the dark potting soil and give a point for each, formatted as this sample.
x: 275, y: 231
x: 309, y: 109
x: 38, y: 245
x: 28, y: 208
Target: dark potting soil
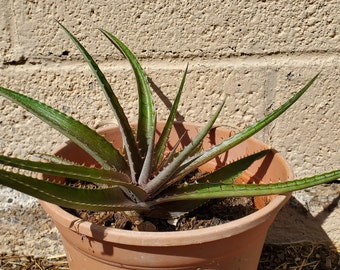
x: 214, y: 212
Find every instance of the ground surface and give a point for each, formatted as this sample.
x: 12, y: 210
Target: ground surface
x: 304, y: 236
x: 290, y: 256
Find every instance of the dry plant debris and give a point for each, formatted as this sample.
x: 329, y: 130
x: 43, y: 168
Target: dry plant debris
x: 300, y: 256
x: 294, y: 256
x: 17, y: 262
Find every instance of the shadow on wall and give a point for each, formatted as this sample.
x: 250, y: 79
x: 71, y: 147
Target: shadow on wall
x: 294, y: 223
x: 165, y: 99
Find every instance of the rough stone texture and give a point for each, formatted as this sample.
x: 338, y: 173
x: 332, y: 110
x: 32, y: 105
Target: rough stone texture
x: 177, y: 28
x: 25, y: 228
x: 257, y: 53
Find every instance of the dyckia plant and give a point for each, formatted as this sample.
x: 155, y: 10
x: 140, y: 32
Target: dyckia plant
x: 143, y: 177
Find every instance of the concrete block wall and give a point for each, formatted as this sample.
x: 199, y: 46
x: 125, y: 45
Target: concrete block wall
x: 257, y: 53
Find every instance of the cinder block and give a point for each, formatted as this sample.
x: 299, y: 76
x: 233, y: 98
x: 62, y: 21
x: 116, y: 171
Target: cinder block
x: 175, y: 29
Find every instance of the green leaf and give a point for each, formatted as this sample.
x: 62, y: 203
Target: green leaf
x: 203, y: 157
x: 52, y: 159
x: 163, y: 139
x: 94, y: 144
x: 146, y: 117
x: 123, y: 123
x: 112, y: 198
x: 77, y: 172
x: 147, y: 165
x: 216, y: 191
x: 230, y: 172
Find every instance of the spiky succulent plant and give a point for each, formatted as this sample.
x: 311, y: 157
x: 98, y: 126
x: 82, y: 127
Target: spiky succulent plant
x: 143, y: 177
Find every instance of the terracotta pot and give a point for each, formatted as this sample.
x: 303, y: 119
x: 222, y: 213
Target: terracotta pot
x: 234, y: 245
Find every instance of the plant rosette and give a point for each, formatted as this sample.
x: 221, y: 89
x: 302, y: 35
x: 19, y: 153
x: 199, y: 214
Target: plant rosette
x: 233, y: 245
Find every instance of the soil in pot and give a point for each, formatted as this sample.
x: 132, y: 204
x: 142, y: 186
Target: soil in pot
x: 214, y: 212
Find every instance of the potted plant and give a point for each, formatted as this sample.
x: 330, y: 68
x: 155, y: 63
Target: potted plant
x: 153, y: 171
